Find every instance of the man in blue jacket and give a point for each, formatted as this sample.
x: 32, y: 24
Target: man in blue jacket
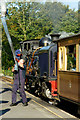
x: 19, y: 80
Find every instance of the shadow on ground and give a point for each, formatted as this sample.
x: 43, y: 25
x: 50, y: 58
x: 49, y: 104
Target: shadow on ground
x: 2, y: 112
x: 5, y: 90
x: 3, y: 101
x: 28, y: 99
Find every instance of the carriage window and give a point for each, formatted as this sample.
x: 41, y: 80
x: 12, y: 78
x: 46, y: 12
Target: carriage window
x: 61, y: 58
x: 71, y: 58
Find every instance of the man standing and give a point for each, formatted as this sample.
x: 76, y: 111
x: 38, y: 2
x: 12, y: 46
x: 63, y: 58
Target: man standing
x: 19, y: 80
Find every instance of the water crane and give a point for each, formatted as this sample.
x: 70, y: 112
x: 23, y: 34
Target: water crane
x: 3, y: 18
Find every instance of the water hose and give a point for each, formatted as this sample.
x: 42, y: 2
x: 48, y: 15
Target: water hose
x: 3, y: 18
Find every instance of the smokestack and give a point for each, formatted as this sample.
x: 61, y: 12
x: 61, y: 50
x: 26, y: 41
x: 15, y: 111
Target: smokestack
x: 55, y: 36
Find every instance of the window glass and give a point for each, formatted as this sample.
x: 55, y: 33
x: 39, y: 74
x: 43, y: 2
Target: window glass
x: 51, y: 58
x: 61, y: 58
x: 21, y: 46
x: 28, y: 46
x: 25, y: 46
x: 55, y: 64
x: 71, y: 58
x: 35, y: 46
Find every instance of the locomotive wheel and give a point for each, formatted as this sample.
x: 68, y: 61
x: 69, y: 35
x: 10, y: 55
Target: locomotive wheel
x: 45, y: 91
x: 48, y: 93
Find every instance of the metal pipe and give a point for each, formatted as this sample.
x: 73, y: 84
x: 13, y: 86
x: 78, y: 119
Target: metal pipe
x: 3, y: 18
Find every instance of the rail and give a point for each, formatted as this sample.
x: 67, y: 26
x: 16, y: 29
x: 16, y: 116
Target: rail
x: 7, y: 78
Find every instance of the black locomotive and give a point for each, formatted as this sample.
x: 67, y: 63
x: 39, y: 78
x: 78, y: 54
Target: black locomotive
x: 41, y: 66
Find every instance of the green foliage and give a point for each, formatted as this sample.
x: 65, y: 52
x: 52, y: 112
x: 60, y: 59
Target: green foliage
x: 69, y: 22
x: 34, y: 20
x: 71, y: 63
x: 7, y: 72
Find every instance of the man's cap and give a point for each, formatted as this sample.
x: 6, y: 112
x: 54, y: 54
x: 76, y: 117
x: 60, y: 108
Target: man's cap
x: 18, y: 54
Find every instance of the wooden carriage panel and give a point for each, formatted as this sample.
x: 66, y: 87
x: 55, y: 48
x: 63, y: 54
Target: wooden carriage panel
x: 69, y: 85
x: 69, y: 41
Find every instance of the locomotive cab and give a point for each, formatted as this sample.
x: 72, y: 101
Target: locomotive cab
x: 28, y: 46
x: 47, y: 61
x: 48, y: 70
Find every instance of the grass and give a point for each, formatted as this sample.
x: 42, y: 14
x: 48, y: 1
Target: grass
x: 7, y: 72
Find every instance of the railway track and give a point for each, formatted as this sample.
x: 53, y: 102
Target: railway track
x: 8, y: 79
x: 61, y: 107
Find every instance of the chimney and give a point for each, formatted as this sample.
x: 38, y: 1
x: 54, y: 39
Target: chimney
x: 55, y: 36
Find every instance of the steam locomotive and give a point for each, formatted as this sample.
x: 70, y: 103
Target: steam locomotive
x: 41, y: 66
x: 53, y: 67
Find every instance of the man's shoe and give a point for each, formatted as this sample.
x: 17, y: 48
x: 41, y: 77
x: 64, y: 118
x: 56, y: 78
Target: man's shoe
x: 25, y: 104
x: 13, y: 104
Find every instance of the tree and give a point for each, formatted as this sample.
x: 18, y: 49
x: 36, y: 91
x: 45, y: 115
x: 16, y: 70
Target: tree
x: 24, y: 24
x: 69, y: 22
x: 34, y: 20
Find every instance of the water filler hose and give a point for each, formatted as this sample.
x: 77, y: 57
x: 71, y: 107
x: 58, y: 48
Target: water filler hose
x: 8, y: 36
x: 3, y: 18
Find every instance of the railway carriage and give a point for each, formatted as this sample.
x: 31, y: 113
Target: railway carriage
x: 68, y: 77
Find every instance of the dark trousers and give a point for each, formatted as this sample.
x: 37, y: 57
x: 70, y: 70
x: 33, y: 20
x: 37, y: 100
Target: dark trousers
x: 19, y: 81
